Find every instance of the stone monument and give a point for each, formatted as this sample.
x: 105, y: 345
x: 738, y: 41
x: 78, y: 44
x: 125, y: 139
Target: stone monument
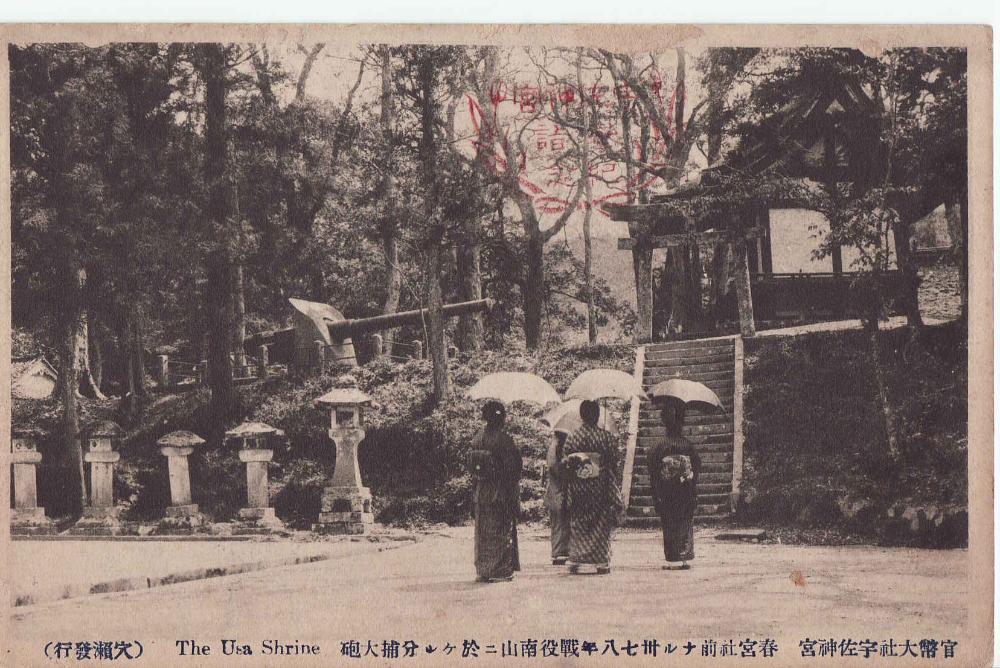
x: 346, y: 505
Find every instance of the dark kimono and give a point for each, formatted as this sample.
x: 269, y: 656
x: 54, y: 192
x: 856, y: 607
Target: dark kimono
x: 555, y: 497
x: 594, y: 503
x: 675, y: 501
x: 496, y: 501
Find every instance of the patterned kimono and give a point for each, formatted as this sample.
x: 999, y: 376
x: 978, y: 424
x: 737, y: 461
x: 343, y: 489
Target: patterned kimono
x: 496, y: 501
x: 675, y: 501
x: 594, y: 503
x: 555, y: 497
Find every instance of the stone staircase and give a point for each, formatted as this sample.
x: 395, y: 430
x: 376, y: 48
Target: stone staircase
x: 709, y: 361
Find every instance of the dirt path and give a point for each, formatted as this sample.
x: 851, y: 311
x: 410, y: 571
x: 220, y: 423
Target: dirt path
x: 426, y: 592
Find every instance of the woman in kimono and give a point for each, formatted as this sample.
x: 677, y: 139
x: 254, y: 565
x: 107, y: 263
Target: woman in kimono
x: 555, y: 498
x: 674, y: 466
x: 496, y: 464
x: 593, y: 498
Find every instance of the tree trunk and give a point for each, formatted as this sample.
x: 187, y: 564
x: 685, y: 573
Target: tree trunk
x: 220, y: 364
x: 911, y: 279
x: 677, y: 276
x: 69, y: 386
x: 720, y: 282
x: 435, y: 233
x: 695, y: 271
x: 958, y: 224
x: 881, y: 383
x: 219, y: 266
x: 534, y: 290
x: 129, y: 406
x: 239, y: 310
x: 390, y: 241
x: 588, y: 199
x: 435, y: 323
x: 96, y: 356
x: 469, y: 329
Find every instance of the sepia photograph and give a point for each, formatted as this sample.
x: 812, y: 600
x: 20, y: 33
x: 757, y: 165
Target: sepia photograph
x: 493, y: 345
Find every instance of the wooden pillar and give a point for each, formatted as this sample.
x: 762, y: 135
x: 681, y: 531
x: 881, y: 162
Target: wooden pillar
x: 163, y: 370
x: 744, y: 297
x: 262, y: 361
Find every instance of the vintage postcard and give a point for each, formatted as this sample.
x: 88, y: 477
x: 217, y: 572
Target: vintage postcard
x: 501, y: 345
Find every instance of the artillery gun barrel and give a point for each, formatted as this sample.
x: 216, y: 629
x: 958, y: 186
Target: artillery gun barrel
x: 353, y: 327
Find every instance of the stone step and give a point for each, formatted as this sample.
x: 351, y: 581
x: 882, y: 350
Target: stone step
x: 714, y: 488
x: 706, y: 469
x: 718, y: 385
x: 684, y: 357
x: 690, y: 366
x: 649, y: 441
x: 689, y: 344
x: 715, y: 457
x: 651, y: 418
x: 690, y: 430
x: 702, y: 443
x: 698, y: 358
x: 653, y: 376
x: 640, y: 479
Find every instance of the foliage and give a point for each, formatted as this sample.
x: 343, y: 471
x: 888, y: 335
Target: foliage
x: 813, y: 430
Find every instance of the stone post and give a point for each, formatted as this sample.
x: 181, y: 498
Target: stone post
x: 27, y: 517
x: 452, y: 351
x: 163, y: 370
x: 255, y: 450
x: 418, y: 349
x: 377, y: 345
x: 202, y: 372
x: 262, y: 361
x: 181, y: 515
x: 346, y: 504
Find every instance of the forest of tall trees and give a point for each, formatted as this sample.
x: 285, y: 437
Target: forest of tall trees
x: 174, y: 196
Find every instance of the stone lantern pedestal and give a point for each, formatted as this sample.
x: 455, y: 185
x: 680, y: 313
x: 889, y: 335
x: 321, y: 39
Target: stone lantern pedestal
x: 255, y: 450
x: 346, y: 504
x: 27, y: 517
x: 181, y: 516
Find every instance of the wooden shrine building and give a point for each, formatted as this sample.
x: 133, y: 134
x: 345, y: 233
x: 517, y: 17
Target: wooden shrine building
x: 761, y: 201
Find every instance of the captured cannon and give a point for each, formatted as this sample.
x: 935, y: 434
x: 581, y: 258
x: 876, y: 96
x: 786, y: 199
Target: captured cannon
x: 321, y: 326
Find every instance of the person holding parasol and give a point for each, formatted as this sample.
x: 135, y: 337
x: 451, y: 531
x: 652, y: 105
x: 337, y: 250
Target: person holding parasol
x: 494, y: 462
x: 674, y: 466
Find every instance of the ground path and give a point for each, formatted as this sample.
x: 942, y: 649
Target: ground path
x: 425, y: 591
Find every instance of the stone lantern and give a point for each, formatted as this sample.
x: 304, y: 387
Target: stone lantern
x: 27, y: 517
x: 254, y: 440
x: 346, y: 505
x: 181, y: 514
x: 100, y: 516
